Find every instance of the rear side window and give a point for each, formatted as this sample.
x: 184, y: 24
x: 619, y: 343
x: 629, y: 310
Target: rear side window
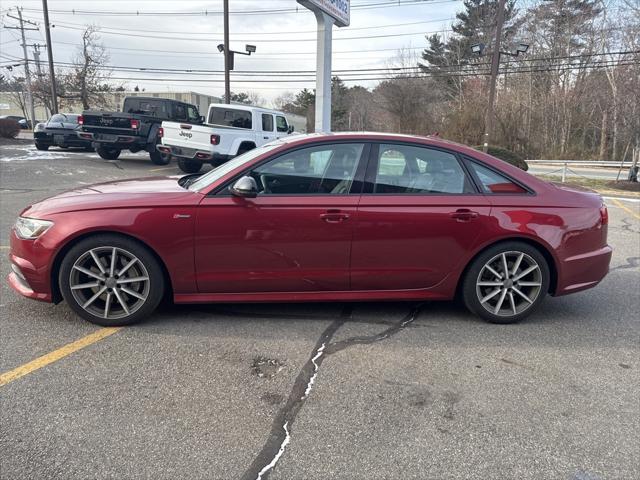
x: 405, y: 169
x: 145, y: 106
x: 267, y: 122
x: 493, y: 182
x: 230, y: 117
x: 181, y: 112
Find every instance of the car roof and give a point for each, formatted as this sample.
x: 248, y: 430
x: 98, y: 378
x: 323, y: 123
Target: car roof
x: 241, y: 106
x: 371, y: 136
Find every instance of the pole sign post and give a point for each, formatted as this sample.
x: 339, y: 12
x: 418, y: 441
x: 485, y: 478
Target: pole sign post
x: 327, y: 13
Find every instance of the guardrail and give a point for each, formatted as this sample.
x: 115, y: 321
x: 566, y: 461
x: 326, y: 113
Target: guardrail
x: 586, y: 163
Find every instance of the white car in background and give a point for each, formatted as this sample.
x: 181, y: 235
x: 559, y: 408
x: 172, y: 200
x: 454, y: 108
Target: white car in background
x: 229, y: 130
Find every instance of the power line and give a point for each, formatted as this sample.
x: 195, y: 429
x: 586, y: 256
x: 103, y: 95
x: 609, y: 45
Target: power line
x: 282, y: 11
x: 347, y: 29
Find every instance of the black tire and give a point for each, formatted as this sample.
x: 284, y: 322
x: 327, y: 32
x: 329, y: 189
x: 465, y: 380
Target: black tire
x: 89, y: 149
x: 40, y: 146
x: 147, y: 264
x: 159, y: 158
x: 189, y: 165
x: 108, y: 153
x: 471, y: 291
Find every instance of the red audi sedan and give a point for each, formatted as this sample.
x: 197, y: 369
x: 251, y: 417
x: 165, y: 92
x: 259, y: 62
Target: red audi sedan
x: 322, y: 217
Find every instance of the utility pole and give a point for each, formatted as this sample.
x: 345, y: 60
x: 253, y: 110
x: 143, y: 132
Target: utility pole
x: 36, y: 60
x: 495, y: 63
x: 52, y: 73
x: 227, y: 66
x: 27, y: 73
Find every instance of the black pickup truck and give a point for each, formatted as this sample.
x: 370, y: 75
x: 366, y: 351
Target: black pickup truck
x: 136, y: 128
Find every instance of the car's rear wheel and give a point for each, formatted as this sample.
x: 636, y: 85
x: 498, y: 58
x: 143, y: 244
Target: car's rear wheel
x: 111, y: 280
x: 159, y: 158
x: 40, y: 146
x: 189, y: 165
x: 108, y: 153
x: 506, y: 282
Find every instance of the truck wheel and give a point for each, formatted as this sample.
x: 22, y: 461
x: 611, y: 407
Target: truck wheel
x: 108, y: 153
x: 159, y: 158
x: 39, y: 146
x: 189, y: 165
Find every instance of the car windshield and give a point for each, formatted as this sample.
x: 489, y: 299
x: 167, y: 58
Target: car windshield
x: 62, y: 118
x: 217, y: 173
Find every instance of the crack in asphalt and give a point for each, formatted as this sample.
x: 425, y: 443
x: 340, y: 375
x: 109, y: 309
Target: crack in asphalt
x: 632, y: 262
x: 280, y: 435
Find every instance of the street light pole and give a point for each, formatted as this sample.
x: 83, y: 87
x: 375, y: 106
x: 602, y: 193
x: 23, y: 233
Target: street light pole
x: 495, y: 64
x: 227, y: 76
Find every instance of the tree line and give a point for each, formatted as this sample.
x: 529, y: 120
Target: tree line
x: 575, y: 94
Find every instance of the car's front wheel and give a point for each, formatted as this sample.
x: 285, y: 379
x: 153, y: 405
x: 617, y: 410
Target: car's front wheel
x: 189, y: 165
x: 108, y: 153
x: 40, y: 146
x: 111, y: 280
x: 506, y: 282
x: 159, y: 158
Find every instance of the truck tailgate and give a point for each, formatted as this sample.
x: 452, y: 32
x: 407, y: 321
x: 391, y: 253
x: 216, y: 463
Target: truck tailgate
x: 196, y: 137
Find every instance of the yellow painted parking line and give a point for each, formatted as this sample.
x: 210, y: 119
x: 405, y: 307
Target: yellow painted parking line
x: 160, y: 169
x: 56, y: 355
x: 625, y: 208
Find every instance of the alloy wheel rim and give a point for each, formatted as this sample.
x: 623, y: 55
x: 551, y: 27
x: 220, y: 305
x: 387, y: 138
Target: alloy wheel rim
x: 109, y: 282
x: 509, y: 283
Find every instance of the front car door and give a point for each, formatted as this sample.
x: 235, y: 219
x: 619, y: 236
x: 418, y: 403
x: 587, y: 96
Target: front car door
x: 268, y: 129
x: 282, y: 127
x: 418, y: 217
x: 295, y: 236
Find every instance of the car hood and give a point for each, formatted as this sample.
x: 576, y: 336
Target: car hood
x: 134, y: 193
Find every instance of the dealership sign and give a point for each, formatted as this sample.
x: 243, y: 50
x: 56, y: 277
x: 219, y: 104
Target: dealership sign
x: 339, y: 10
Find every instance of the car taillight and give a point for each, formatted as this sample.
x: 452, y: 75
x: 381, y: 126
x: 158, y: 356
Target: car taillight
x: 135, y: 124
x: 215, y: 139
x: 80, y: 120
x: 604, y: 214
x: 160, y: 132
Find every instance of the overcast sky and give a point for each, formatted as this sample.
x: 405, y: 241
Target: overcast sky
x: 284, y: 40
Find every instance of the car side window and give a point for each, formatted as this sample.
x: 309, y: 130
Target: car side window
x: 193, y: 114
x: 406, y: 169
x: 493, y: 182
x: 323, y: 169
x: 267, y: 122
x: 181, y: 112
x: 281, y: 124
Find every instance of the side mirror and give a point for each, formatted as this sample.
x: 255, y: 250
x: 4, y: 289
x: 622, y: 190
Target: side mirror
x: 290, y: 129
x: 201, y: 119
x: 245, y: 187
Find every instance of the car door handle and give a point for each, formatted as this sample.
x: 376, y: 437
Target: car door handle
x: 464, y: 215
x: 334, y: 216
x: 266, y: 138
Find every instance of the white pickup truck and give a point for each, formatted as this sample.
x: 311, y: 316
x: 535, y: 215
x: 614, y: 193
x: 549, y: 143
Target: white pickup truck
x: 230, y: 130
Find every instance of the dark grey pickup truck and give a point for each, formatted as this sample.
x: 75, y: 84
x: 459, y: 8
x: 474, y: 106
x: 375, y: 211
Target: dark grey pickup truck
x: 136, y: 128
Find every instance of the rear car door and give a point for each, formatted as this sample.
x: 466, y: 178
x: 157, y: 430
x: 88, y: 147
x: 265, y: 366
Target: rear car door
x: 295, y: 236
x: 418, y: 217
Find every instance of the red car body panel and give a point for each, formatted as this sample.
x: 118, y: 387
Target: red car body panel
x: 303, y: 248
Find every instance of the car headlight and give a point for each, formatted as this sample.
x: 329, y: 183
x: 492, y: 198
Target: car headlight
x: 39, y: 127
x: 31, y: 228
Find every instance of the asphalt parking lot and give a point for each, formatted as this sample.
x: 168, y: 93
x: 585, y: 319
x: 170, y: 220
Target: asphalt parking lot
x: 399, y: 390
